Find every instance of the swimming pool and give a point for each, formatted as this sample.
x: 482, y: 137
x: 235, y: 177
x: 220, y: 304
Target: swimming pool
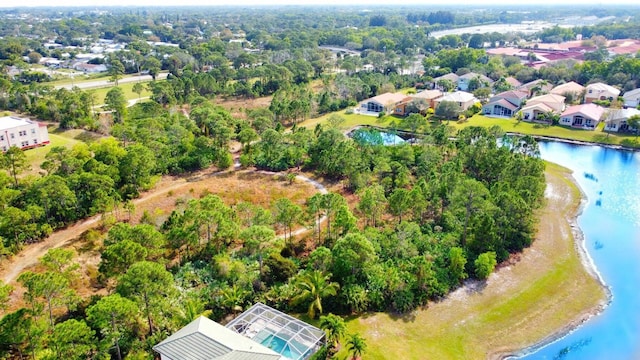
x: 280, y: 346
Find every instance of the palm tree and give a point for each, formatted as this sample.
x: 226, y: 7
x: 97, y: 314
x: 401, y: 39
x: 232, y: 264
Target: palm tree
x: 335, y: 327
x: 356, y: 346
x: 313, y: 286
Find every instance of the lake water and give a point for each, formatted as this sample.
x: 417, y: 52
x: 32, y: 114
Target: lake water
x: 611, y: 225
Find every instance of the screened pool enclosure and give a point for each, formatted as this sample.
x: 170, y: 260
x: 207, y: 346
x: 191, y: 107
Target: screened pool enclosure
x: 284, y: 334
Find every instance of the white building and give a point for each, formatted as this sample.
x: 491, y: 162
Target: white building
x: 23, y: 133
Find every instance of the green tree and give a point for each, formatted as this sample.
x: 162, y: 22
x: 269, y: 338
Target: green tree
x: 356, y: 345
x: 448, y: 110
x: 74, y: 340
x: 116, y: 70
x: 335, y: 328
x: 138, y: 88
x: 150, y: 285
x: 113, y: 316
x: 484, y: 264
x: 5, y: 293
x: 457, y: 262
x: 287, y: 214
x: 351, y: 255
x: 312, y: 286
x: 52, y: 287
x: 400, y: 202
x: 116, y: 102
x: 372, y: 203
x: 153, y: 66
x: 15, y: 162
x: 117, y: 258
x: 634, y: 123
x: 256, y: 238
x: 413, y: 122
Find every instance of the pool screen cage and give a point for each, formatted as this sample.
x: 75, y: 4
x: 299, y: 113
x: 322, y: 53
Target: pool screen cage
x: 261, y: 322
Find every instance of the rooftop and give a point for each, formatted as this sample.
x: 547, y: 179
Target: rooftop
x: 603, y: 87
x: 206, y: 339
x: 387, y: 98
x: 590, y: 110
x: 8, y: 122
x: 570, y: 87
x: 458, y: 96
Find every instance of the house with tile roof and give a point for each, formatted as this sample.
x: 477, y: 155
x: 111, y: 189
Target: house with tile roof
x: 537, y: 108
x: 632, y: 98
x: 616, y: 120
x: 387, y: 103
x: 464, y: 99
x: 429, y: 96
x: 600, y: 91
x: 536, y: 87
x: 450, y: 77
x: 571, y: 89
x: 464, y: 80
x: 583, y: 116
x: 505, y: 104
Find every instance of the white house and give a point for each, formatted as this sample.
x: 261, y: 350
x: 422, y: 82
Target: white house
x: 571, y: 88
x: 583, y: 116
x: 464, y: 80
x: 206, y: 339
x: 23, y: 133
x: 537, y: 107
x: 600, y: 91
x: 632, y: 98
x: 616, y: 120
x: 462, y: 98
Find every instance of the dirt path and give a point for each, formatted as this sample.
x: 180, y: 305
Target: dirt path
x: 10, y: 269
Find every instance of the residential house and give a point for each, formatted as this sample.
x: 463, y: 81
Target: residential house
x: 600, y: 91
x: 429, y: 96
x: 387, y: 103
x: 464, y: 80
x: 632, y: 98
x: 571, y: 90
x: 453, y: 78
x: 462, y: 98
x: 513, y: 82
x: 260, y: 333
x: 536, y: 87
x: 616, y: 120
x: 23, y: 133
x: 583, y: 116
x: 89, y: 68
x: 538, y: 107
x: 504, y: 104
x: 206, y: 339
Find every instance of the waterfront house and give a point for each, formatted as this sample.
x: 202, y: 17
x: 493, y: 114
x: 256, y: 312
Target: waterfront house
x: 583, y: 116
x: 632, y: 98
x: 505, y: 104
x: 616, y: 120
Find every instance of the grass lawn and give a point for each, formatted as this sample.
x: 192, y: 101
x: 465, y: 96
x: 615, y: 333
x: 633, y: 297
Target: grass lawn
x: 534, y: 295
x: 67, y: 138
x: 126, y: 88
x: 508, y: 125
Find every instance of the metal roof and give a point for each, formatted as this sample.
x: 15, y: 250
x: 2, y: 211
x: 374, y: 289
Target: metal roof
x: 204, y: 339
x: 9, y: 122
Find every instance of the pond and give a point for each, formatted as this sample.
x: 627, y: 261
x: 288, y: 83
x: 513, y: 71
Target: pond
x: 375, y: 137
x: 610, y: 222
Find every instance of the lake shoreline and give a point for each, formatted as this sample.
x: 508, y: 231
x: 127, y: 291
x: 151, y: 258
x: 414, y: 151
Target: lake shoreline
x: 589, y: 265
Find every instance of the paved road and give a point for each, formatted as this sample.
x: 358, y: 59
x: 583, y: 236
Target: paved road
x: 105, y: 83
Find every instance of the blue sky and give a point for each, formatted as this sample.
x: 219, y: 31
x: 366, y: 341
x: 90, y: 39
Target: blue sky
x: 95, y: 3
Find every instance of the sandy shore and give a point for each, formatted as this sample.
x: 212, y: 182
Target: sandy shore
x: 590, y: 268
